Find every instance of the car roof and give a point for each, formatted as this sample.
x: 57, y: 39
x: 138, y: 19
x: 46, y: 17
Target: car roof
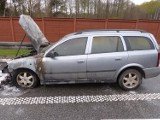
x: 124, y: 32
x: 110, y: 31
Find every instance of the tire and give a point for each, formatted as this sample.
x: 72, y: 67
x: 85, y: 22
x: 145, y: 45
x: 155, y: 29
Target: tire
x: 25, y: 79
x: 130, y: 79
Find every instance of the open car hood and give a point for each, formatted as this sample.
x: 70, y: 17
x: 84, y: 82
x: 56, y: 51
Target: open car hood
x: 32, y: 30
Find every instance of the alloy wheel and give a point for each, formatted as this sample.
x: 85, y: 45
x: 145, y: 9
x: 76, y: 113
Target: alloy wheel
x: 25, y: 79
x: 130, y: 80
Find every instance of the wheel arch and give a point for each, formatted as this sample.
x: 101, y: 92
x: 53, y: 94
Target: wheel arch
x: 18, y: 69
x: 138, y: 68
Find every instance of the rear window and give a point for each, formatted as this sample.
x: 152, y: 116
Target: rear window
x: 138, y: 43
x: 106, y: 44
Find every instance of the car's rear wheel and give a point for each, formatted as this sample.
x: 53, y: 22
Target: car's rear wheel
x: 130, y: 79
x: 25, y: 79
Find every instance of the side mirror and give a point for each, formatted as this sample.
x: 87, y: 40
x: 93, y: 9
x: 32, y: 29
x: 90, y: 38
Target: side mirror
x: 52, y: 54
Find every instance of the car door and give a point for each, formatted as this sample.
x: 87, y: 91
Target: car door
x: 69, y: 62
x: 107, y: 56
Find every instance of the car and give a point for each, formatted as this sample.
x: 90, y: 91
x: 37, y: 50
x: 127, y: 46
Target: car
x: 91, y: 56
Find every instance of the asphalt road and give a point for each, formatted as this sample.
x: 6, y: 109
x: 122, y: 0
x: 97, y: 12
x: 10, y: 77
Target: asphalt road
x: 81, y: 102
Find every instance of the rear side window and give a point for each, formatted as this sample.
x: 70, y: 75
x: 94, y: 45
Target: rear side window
x: 106, y: 44
x: 138, y: 43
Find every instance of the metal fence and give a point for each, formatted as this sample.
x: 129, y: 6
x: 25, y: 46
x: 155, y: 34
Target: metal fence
x: 55, y: 28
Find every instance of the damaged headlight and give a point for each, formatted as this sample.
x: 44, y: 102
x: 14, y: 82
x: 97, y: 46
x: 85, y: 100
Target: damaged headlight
x: 4, y: 74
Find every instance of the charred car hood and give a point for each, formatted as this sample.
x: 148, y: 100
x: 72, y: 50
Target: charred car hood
x: 32, y: 30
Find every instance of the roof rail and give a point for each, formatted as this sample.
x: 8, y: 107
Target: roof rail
x: 116, y: 30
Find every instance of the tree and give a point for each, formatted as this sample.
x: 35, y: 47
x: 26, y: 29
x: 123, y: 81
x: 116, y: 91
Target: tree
x: 152, y: 9
x: 120, y: 9
x: 2, y: 7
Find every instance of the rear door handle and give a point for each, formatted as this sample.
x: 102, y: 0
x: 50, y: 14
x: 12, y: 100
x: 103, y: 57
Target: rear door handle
x: 80, y: 61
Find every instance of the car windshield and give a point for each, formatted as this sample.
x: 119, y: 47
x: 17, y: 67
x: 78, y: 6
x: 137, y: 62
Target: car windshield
x: 50, y: 45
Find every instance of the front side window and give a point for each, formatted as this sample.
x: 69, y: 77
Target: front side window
x: 106, y: 44
x: 74, y: 46
x: 138, y: 43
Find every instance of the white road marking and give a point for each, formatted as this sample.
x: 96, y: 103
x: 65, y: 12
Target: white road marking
x: 78, y: 99
x: 129, y: 119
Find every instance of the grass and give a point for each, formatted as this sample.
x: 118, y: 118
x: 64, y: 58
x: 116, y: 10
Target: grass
x: 9, y: 53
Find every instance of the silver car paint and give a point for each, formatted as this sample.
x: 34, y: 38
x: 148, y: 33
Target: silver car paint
x: 105, y: 65
x: 66, y: 67
x: 87, y: 66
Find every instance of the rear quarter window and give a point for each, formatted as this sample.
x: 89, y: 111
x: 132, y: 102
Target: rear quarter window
x: 138, y: 43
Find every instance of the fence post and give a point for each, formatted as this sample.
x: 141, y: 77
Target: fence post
x: 74, y: 24
x: 137, y: 22
x: 12, y: 29
x: 158, y: 32
x: 106, y: 24
x: 43, y: 26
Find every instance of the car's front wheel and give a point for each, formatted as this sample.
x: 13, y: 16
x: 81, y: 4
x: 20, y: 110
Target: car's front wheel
x: 25, y: 78
x: 130, y: 79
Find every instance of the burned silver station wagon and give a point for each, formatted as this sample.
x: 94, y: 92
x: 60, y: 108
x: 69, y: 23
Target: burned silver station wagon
x: 91, y: 56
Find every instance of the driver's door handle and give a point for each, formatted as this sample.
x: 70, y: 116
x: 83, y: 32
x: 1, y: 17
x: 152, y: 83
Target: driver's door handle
x: 80, y: 61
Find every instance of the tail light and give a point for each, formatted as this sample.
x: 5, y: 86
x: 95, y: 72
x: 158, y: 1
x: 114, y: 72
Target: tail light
x: 158, y: 60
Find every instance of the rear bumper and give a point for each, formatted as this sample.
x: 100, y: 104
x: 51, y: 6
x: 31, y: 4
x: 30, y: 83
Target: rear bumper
x: 151, y: 72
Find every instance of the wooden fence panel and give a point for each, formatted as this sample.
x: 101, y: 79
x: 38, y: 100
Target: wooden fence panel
x: 121, y: 24
x: 87, y: 24
x: 5, y: 29
x: 56, y: 28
